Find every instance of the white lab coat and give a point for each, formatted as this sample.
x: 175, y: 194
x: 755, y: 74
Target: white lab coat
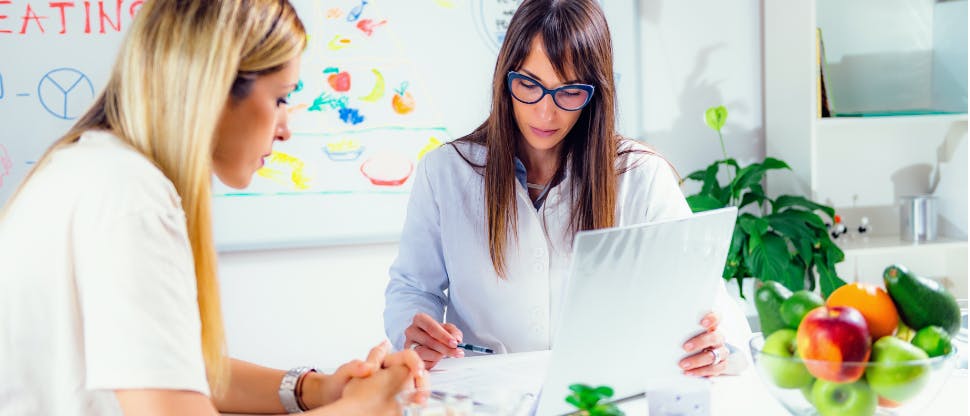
x: 444, y: 263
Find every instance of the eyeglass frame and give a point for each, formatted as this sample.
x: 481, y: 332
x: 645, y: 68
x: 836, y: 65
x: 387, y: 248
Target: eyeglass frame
x: 513, y: 75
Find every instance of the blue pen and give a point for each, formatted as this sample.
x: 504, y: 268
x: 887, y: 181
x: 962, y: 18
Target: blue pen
x: 475, y: 348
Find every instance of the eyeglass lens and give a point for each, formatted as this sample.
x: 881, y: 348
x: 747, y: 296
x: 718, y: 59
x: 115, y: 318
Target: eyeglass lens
x: 567, y: 97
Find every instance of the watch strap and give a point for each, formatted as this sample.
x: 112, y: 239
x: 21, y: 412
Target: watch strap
x: 287, y: 391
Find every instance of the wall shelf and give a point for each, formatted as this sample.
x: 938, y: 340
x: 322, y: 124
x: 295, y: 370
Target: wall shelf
x: 862, y: 166
x: 834, y: 122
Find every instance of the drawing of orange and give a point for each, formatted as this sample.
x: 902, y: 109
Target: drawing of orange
x: 403, y: 104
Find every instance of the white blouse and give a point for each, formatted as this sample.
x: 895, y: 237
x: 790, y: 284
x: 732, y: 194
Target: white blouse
x: 97, y: 285
x: 444, y: 268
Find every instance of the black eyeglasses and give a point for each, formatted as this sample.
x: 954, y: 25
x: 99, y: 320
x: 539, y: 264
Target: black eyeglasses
x: 571, y: 97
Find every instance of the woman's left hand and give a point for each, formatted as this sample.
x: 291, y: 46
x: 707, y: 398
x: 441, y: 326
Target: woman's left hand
x: 712, y: 356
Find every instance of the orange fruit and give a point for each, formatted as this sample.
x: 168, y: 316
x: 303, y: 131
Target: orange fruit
x: 874, y: 304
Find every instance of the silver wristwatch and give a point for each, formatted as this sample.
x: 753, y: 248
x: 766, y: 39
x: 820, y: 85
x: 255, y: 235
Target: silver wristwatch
x: 287, y: 389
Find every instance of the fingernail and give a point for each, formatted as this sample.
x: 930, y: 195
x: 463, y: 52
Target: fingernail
x: 460, y: 354
x: 706, y: 322
x: 688, y: 346
x: 684, y: 365
x: 453, y: 344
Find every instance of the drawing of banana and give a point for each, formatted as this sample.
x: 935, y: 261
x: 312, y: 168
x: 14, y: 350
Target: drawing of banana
x: 378, y: 91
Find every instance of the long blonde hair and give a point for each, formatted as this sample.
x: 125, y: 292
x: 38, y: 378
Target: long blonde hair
x: 177, y: 68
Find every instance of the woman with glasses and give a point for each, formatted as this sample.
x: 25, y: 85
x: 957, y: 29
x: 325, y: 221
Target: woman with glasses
x: 109, y: 297
x: 492, y: 215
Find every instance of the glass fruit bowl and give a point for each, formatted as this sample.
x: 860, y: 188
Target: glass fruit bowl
x: 814, y: 387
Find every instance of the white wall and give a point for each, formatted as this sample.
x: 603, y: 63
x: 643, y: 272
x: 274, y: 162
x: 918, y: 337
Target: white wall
x: 323, y: 306
x: 318, y: 306
x: 698, y: 54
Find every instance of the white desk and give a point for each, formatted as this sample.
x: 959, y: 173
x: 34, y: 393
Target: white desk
x: 731, y: 395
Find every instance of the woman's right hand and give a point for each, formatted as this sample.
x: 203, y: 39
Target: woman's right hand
x: 432, y: 340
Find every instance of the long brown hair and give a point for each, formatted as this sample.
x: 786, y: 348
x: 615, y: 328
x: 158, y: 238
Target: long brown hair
x: 178, y: 65
x: 575, y: 36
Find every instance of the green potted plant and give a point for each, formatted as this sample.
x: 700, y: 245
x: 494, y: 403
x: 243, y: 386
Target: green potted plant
x: 781, y: 239
x: 592, y: 401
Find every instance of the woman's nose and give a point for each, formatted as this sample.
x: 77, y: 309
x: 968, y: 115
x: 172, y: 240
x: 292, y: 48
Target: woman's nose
x: 546, y: 108
x: 283, y: 129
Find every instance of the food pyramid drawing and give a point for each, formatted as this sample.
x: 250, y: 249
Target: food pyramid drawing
x: 360, y: 117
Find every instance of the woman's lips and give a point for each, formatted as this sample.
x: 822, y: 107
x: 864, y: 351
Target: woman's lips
x: 542, y: 132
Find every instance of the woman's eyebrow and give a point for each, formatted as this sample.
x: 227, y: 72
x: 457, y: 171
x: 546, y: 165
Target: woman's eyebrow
x: 537, y: 78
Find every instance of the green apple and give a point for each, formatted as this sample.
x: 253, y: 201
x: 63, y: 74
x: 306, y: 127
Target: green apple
x: 780, y: 361
x: 897, y: 369
x: 844, y: 399
x: 797, y: 306
x: 934, y: 340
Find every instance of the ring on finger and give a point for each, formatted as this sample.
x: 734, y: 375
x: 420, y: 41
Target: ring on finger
x: 716, y: 355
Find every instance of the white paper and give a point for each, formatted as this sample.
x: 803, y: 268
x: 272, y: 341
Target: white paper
x: 635, y: 295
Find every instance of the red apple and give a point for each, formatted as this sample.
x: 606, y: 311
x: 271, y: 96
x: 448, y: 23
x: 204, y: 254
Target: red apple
x: 828, y: 337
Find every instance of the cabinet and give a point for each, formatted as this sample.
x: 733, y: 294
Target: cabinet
x: 890, y: 53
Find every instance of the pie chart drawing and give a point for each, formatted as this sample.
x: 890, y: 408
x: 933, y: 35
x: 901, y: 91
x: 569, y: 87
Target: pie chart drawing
x: 65, y: 93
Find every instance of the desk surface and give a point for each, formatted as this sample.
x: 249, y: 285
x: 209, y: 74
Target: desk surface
x: 731, y: 395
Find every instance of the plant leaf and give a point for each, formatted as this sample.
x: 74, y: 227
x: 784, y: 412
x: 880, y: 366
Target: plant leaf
x: 792, y: 225
x: 809, y: 218
x: 574, y: 400
x: 604, y: 391
x: 769, y: 259
x: 785, y: 201
x: 832, y: 253
x: 715, y: 117
x: 580, y: 388
x: 771, y: 163
x: 747, y: 177
x: 735, y: 259
x: 753, y: 225
x: 755, y: 195
x: 711, y: 186
x: 828, y: 280
x: 794, y: 276
x: 700, y: 203
x: 697, y: 175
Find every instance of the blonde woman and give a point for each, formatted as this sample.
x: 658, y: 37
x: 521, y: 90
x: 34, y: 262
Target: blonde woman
x: 109, y: 301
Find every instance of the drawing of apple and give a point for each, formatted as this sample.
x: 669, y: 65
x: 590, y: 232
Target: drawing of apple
x: 402, y: 102
x: 340, y: 81
x: 368, y: 25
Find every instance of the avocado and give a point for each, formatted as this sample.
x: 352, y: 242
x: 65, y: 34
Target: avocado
x: 767, y: 300
x: 921, y: 302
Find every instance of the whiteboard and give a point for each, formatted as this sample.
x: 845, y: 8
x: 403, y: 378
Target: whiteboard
x: 382, y: 83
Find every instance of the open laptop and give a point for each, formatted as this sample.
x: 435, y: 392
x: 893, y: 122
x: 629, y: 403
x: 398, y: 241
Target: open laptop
x: 634, y: 295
